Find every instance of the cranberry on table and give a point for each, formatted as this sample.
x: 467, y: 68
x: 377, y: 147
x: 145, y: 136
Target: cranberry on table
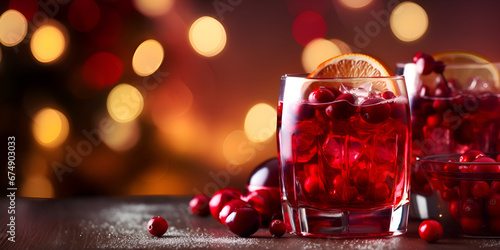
x: 277, y: 228
x: 375, y: 110
x: 488, y: 168
x: 198, y: 205
x: 321, y: 95
x: 430, y: 230
x: 471, y: 155
x: 266, y: 201
x: 243, y: 221
x: 220, y: 198
x: 230, y: 207
x: 157, y: 226
x: 265, y: 175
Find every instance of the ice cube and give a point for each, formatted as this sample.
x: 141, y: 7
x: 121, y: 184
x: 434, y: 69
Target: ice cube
x: 385, y: 150
x: 333, y: 150
x: 362, y: 91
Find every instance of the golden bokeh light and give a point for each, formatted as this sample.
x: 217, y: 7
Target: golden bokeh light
x: 153, y: 8
x: 124, y: 103
x: 207, y: 36
x: 318, y: 51
x: 48, y: 42
x: 37, y: 186
x: 13, y: 28
x: 260, y: 122
x: 50, y: 127
x: 355, y: 4
x: 237, y: 149
x: 187, y: 134
x: 123, y: 136
x: 408, y: 21
x: 147, y: 57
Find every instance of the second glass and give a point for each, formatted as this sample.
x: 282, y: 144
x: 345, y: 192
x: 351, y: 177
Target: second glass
x: 344, y: 162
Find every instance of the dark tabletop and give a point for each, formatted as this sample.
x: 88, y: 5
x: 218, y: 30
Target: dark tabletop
x: 120, y: 222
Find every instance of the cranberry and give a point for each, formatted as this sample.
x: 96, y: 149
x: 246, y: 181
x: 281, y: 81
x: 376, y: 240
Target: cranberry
x: 417, y: 56
x: 398, y: 110
x: 266, y: 201
x: 455, y: 207
x: 440, y: 105
x: 472, y: 208
x: 498, y: 158
x: 471, y: 225
x: 220, y: 198
x: 425, y: 64
x: 335, y: 91
x: 343, y: 107
x: 199, y: 205
x: 471, y: 155
x: 488, y: 168
x: 361, y: 180
x: 488, y: 101
x: 303, y: 111
x: 277, y: 228
x: 312, y: 185
x: 375, y: 110
x: 430, y: 230
x: 442, y: 90
x: 452, y: 168
x: 495, y: 225
x: 493, y: 206
x: 434, y: 120
x: 449, y: 194
x: 465, y: 189
x: 321, y: 95
x: 265, y: 175
x: 380, y: 192
x: 229, y: 208
x: 243, y: 221
x: 157, y: 226
x: 480, y: 189
x: 388, y: 95
x: 495, y: 187
x: 312, y: 169
x: 439, y: 67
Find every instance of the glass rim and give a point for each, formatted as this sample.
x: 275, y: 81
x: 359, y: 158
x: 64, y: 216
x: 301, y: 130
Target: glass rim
x: 305, y: 77
x: 457, y: 65
x: 440, y: 159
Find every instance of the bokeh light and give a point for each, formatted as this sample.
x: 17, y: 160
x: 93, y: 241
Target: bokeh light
x: 102, y: 70
x: 318, y: 51
x: 308, y: 26
x: 48, y: 42
x: 50, y: 127
x: 147, y: 57
x: 185, y: 135
x: 125, y: 103
x: 37, y: 186
x: 84, y: 15
x: 343, y: 46
x: 408, y: 21
x: 27, y: 7
x: 355, y: 4
x: 13, y: 28
x: 170, y: 101
x: 123, y: 136
x: 237, y: 148
x: 153, y: 8
x: 260, y: 122
x: 207, y: 36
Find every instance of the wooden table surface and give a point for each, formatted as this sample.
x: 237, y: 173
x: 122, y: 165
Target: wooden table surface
x: 120, y: 222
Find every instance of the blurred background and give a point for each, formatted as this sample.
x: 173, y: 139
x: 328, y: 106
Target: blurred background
x: 149, y: 97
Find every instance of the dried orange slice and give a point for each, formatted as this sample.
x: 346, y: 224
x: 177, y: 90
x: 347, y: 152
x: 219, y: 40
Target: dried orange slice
x: 356, y: 65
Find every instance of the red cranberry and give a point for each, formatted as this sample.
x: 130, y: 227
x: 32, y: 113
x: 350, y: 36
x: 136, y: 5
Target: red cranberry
x: 455, y: 207
x: 425, y: 64
x: 434, y: 120
x: 388, y: 95
x: 361, y: 180
x: 335, y: 91
x: 199, y: 205
x: 243, y: 221
x: 465, y: 187
x: 480, y: 189
x: 452, y: 168
x: 472, y: 208
x: 489, y: 168
x: 495, y: 187
x: 220, y: 198
x: 343, y: 107
x: 338, y: 182
x: 498, y: 158
x: 471, y: 225
x: 303, y: 111
x: 398, y: 110
x: 321, y: 95
x: 380, y: 192
x: 430, y: 230
x: 417, y: 56
x: 439, y: 67
x: 277, y: 228
x: 440, y: 105
x: 493, y: 206
x: 265, y: 175
x: 375, y: 110
x: 442, y: 90
x: 312, y: 185
x: 471, y: 155
x: 157, y: 226
x: 312, y: 169
x: 449, y: 194
x: 266, y: 202
x: 229, y: 208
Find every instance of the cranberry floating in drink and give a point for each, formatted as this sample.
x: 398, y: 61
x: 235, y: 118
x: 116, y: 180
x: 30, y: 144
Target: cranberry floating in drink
x: 343, y: 167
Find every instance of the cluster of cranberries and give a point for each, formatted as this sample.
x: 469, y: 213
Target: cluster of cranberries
x: 475, y: 204
x: 244, y: 214
x: 324, y: 102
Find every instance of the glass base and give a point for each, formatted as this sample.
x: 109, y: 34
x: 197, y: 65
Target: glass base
x: 314, y: 222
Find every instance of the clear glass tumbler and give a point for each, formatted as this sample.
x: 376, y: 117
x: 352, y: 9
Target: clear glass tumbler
x: 344, y: 160
x: 453, y: 113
